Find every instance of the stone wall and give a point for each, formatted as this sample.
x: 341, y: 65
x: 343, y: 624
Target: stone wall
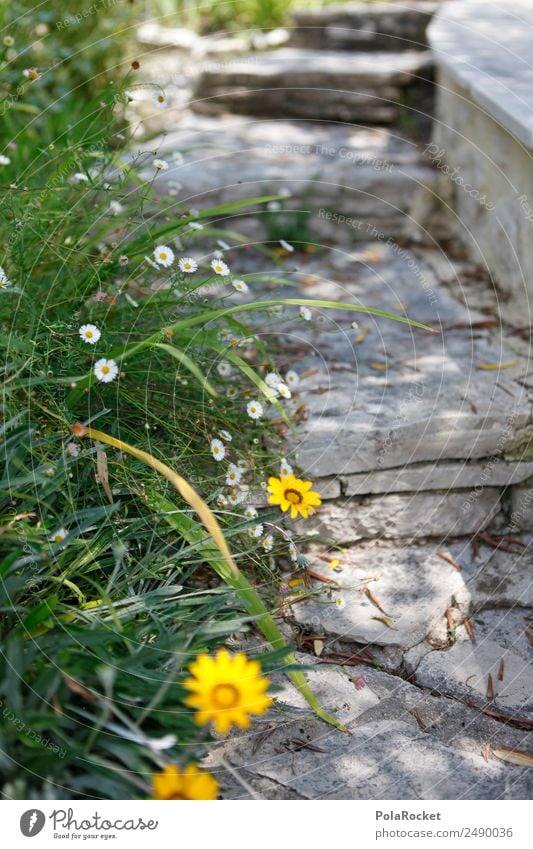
x: 483, y: 139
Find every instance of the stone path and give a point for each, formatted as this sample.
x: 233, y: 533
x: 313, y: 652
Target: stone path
x: 419, y: 442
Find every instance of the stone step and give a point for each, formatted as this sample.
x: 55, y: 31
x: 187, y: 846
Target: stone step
x: 327, y: 85
x: 404, y: 744
x: 366, y: 26
x: 396, y: 409
x: 414, y: 516
x: 415, y: 585
x: 349, y: 183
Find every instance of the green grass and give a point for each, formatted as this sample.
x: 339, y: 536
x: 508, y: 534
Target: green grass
x: 99, y: 627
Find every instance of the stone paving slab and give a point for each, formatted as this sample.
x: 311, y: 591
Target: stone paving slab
x: 353, y: 86
x: 495, y: 578
x: 399, y: 396
x: 370, y: 26
x: 413, y: 585
x: 357, y: 173
x: 406, y: 744
x: 445, y: 476
x: 462, y: 670
x: 399, y: 516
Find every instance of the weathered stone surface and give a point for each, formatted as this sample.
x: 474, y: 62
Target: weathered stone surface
x: 406, y: 744
x: 521, y: 515
x: 484, y: 138
x: 333, y: 688
x: 441, y: 475
x: 412, y: 584
x: 398, y: 396
x: 370, y: 26
x: 495, y: 578
x: 397, y: 516
x: 462, y: 670
x: 353, y: 87
x: 372, y: 180
x: 385, y: 759
x: 497, y: 79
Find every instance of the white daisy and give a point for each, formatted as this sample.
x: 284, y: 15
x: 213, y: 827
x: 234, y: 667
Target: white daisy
x: 306, y: 313
x: 4, y: 279
x: 292, y: 379
x: 59, y: 535
x: 273, y: 205
x: 8, y: 41
x: 73, y: 450
x: 285, y: 468
x: 235, y: 496
x: 160, y: 100
x: 160, y: 165
x: 177, y: 157
x: 256, y: 531
x: 105, y: 370
x: 339, y: 602
x: 188, y: 265
x: 354, y: 325
x: 31, y: 74
x: 224, y: 369
x: 254, y: 409
x: 284, y: 391
x: 80, y: 178
x: 272, y: 379
x: 293, y: 551
x: 220, y: 267
x: 115, y: 207
x: 225, y: 435
x: 244, y: 466
x: 218, y: 449
x: 268, y: 542
x: 286, y: 246
x: 250, y: 512
x: 4, y: 160
x: 239, y: 285
x: 231, y: 392
x: 89, y: 333
x: 194, y: 225
x: 164, y: 256
x: 233, y: 475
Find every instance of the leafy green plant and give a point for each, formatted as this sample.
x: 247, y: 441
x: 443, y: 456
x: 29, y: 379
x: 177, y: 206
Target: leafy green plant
x: 109, y: 581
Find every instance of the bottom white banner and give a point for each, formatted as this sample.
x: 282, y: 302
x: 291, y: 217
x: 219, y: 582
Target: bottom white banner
x: 239, y: 825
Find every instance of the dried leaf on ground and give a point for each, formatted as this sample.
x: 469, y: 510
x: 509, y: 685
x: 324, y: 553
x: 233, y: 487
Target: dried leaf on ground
x: 511, y: 756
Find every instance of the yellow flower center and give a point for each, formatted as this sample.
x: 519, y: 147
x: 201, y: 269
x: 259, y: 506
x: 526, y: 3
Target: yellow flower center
x: 225, y: 695
x: 58, y: 537
x: 293, y: 496
x: 105, y: 369
x: 160, y: 98
x: 162, y: 255
x: 89, y: 334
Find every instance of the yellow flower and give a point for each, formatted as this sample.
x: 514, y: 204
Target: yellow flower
x: 291, y: 492
x: 225, y: 689
x: 189, y: 784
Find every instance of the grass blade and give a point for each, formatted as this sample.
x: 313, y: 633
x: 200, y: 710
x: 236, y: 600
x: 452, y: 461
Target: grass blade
x: 219, y: 557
